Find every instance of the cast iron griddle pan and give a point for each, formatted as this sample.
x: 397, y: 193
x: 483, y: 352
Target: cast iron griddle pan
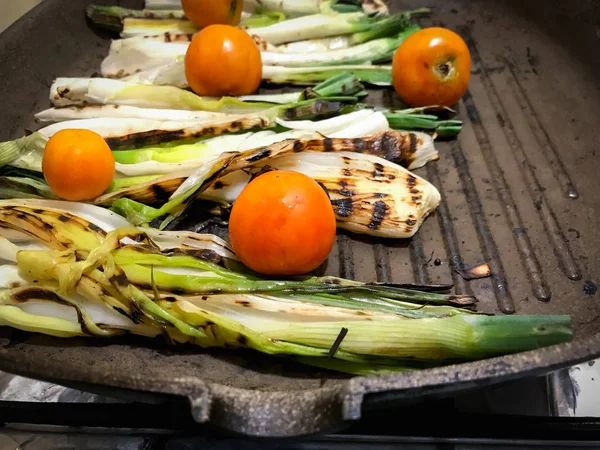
x: 520, y: 191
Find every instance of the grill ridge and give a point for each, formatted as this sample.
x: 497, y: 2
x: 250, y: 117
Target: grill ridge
x: 541, y: 134
x: 545, y: 212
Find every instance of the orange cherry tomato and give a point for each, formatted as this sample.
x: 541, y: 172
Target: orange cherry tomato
x: 223, y: 60
x: 282, y: 224
x: 432, y: 67
x: 78, y: 164
x: 203, y: 13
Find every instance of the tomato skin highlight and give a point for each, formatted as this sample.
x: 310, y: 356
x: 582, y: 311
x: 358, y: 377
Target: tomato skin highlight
x: 223, y: 60
x: 432, y: 67
x: 282, y: 224
x: 78, y: 164
x: 203, y: 13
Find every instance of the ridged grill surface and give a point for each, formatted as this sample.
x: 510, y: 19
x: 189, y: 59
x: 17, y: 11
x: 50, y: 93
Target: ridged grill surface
x: 519, y: 191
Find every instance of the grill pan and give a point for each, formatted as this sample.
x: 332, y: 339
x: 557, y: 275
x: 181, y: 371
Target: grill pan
x: 519, y: 191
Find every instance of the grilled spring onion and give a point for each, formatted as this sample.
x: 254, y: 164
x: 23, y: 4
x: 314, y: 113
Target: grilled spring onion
x: 369, y: 194
x: 114, y: 92
x: 388, y: 27
x: 83, y: 289
x: 375, y: 50
x: 314, y: 26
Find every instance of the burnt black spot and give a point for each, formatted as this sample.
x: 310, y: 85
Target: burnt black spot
x: 95, y: 228
x: 379, y: 195
x: 259, y: 154
x: 391, y: 177
x: 390, y: 149
x: 416, y: 198
x: 169, y: 299
x: 413, y: 142
x: 209, y: 131
x: 380, y: 210
x: 244, y: 303
x: 38, y: 211
x: 119, y: 280
x: 590, y: 288
x: 328, y: 144
x: 167, y: 37
x: 411, y: 222
x: 346, y: 160
x: 159, y: 192
x: 48, y: 226
x: 204, y: 297
x: 105, y: 292
x: 178, y: 291
x: 344, y: 189
x: 64, y: 218
x: 298, y: 145
x: 359, y: 145
x: 437, y: 262
x: 378, y: 167
x: 143, y: 138
x: 219, y: 184
x: 415, y: 191
x: 21, y: 216
x: 37, y: 294
x: 236, y: 124
x: 343, y: 207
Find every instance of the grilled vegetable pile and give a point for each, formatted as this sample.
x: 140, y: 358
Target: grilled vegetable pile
x: 79, y: 270
x: 174, y: 126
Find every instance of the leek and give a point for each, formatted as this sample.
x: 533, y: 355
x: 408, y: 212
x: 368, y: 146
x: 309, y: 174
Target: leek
x: 372, y: 74
x: 142, y: 27
x: 146, y: 54
x: 264, y: 19
x: 125, y: 282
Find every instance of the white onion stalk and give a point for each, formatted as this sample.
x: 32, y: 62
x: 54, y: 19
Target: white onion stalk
x: 117, y: 127
x: 125, y: 112
x: 162, y: 4
x: 313, y: 45
x: 358, y: 54
x: 166, y: 75
x: 329, y: 125
x: 69, y: 91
